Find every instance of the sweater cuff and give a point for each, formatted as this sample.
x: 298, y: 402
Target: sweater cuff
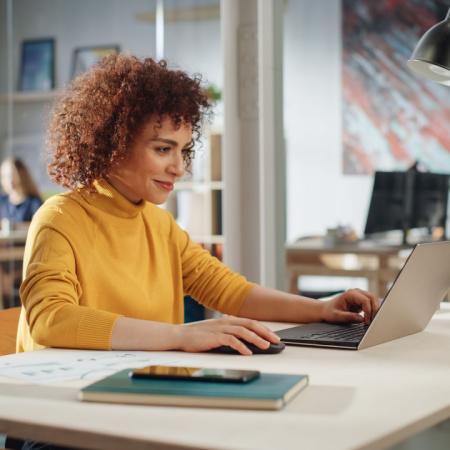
x: 95, y: 329
x: 235, y: 302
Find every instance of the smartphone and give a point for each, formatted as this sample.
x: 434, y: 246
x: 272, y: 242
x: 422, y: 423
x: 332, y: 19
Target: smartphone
x: 195, y: 374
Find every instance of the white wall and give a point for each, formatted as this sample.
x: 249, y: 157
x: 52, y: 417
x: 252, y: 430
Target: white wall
x: 3, y: 48
x: 319, y: 196
x: 101, y: 22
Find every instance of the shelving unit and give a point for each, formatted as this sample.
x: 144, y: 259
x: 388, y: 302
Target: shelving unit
x: 196, y: 204
x: 200, y: 186
x: 196, y: 201
x: 29, y: 96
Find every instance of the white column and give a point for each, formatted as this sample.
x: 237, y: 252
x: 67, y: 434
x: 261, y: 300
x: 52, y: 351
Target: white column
x: 253, y: 150
x: 159, y: 20
x: 272, y: 182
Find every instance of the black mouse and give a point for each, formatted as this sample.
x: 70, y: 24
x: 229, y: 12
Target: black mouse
x: 272, y: 349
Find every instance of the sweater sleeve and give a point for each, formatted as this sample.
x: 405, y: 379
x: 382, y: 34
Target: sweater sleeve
x: 211, y: 282
x: 50, y: 294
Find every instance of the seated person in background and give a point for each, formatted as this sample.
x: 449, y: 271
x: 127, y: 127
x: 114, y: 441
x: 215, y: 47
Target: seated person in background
x: 106, y: 268
x: 22, y: 197
x: 17, y: 208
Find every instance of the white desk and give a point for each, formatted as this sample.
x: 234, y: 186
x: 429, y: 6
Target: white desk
x: 367, y: 399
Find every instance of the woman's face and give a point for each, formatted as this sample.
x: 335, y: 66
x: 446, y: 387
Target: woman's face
x: 157, y: 161
x: 9, y: 177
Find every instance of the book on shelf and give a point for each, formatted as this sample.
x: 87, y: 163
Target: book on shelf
x: 269, y: 391
x: 216, y: 157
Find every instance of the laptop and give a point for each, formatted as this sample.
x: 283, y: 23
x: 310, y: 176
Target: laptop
x: 407, y: 308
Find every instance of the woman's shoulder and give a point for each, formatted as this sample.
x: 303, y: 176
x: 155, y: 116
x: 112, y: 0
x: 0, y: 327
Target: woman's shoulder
x: 61, y: 207
x: 64, y: 214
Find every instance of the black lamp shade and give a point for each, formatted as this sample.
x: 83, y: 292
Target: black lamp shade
x: 431, y: 57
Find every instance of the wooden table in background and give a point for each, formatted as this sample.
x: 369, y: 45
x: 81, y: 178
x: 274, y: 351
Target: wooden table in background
x: 380, y: 264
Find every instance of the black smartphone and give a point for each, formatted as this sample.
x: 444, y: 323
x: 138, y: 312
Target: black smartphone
x: 195, y: 374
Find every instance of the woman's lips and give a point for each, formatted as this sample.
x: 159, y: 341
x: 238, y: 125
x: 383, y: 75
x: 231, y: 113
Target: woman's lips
x: 167, y: 185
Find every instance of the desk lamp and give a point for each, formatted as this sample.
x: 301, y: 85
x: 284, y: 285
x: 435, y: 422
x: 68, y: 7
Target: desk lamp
x: 431, y: 57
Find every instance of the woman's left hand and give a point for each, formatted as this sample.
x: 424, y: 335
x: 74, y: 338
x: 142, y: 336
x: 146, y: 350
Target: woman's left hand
x: 346, y: 307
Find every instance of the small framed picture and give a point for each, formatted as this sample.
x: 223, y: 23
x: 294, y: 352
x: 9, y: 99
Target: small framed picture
x: 84, y: 57
x: 37, y: 70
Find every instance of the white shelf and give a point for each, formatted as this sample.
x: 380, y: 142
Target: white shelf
x: 197, y: 205
x: 208, y: 12
x: 30, y: 96
x: 199, y: 186
x: 207, y: 238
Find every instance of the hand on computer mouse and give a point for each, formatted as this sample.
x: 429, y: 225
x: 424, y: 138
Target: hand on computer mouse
x: 272, y: 349
x: 225, y: 331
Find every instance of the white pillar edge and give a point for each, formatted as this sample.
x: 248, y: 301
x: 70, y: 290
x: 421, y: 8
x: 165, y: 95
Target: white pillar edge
x: 229, y: 22
x: 272, y: 183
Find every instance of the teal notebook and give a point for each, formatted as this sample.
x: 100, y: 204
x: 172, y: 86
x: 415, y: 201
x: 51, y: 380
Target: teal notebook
x: 269, y: 391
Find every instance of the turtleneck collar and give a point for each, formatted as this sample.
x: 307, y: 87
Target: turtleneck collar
x: 111, y: 201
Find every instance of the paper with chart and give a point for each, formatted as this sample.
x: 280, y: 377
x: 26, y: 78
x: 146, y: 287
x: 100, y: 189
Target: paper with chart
x: 54, y: 365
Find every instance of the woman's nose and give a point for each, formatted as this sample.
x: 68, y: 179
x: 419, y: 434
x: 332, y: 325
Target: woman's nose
x: 177, y: 166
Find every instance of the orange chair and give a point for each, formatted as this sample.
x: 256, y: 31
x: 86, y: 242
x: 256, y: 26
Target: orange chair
x: 9, y: 320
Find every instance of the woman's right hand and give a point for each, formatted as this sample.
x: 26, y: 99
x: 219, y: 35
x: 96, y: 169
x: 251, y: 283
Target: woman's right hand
x: 227, y: 330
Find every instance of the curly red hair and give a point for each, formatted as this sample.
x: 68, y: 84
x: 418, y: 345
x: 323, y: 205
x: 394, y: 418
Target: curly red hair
x: 97, y: 116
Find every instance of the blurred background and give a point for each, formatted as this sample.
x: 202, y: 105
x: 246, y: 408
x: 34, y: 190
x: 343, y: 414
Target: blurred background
x: 349, y: 104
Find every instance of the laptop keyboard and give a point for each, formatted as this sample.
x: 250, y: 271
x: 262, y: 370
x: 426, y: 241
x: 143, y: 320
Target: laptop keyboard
x: 353, y: 333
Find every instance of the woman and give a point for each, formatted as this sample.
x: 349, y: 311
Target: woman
x: 17, y: 207
x: 106, y: 267
x: 22, y: 197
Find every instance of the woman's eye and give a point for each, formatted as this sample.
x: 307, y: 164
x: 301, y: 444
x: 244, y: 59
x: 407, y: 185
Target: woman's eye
x: 163, y: 149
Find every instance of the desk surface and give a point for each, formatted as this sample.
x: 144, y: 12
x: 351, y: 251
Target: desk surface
x: 319, y: 245
x: 379, y: 263
x: 367, y: 399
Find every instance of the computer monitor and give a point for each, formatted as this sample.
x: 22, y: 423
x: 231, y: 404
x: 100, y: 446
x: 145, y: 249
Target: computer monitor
x: 430, y: 201
x: 407, y: 200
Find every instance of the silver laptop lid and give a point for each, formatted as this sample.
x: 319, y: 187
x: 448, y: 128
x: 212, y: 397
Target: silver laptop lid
x: 415, y: 295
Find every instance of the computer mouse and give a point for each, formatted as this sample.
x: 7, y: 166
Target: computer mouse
x: 272, y: 349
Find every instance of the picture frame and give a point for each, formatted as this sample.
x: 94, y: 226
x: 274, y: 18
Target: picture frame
x: 37, y: 69
x: 85, y: 57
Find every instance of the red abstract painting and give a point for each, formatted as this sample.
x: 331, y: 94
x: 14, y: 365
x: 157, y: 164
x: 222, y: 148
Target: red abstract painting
x: 392, y: 117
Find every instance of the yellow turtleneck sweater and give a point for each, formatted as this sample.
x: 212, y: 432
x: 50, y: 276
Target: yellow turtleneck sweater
x: 90, y: 259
